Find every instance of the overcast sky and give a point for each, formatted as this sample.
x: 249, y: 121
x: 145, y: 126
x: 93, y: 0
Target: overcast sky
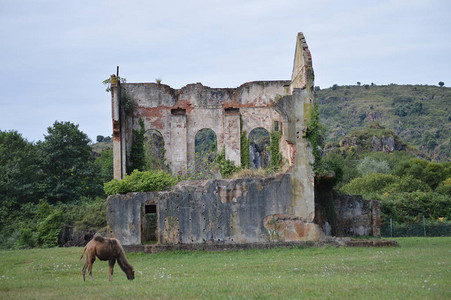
x: 55, y: 54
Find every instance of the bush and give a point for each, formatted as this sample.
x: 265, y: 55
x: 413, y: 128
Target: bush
x: 407, y: 184
x: 371, y: 183
x: 49, y: 228
x: 139, y: 181
x: 26, y: 238
x: 226, y: 166
x: 444, y: 187
x: 369, y: 165
x: 411, y: 207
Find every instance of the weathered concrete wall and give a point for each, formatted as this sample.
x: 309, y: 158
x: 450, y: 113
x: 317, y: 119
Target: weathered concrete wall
x: 345, y: 215
x: 357, y: 217
x: 214, y: 211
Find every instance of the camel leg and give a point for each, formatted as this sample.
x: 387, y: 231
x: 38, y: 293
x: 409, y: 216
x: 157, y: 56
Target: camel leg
x: 111, y: 268
x: 91, y: 260
x: 83, y: 271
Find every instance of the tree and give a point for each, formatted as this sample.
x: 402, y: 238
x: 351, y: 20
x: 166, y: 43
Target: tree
x: 100, y: 138
x: 369, y: 165
x: 67, y: 164
x: 105, y: 163
x: 19, y: 170
x: 359, y: 83
x: 441, y: 83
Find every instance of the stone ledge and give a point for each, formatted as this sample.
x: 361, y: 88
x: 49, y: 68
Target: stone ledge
x: 332, y: 241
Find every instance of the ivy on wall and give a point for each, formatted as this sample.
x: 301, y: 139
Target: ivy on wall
x: 276, y: 157
x: 245, y: 159
x: 314, y: 134
x: 127, y: 103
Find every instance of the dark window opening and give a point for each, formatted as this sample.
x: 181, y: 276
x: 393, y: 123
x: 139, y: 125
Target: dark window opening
x: 231, y: 110
x: 178, y: 111
x: 150, y: 209
x: 276, y: 125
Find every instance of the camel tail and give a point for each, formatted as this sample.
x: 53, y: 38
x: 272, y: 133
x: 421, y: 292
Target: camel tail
x: 83, y: 253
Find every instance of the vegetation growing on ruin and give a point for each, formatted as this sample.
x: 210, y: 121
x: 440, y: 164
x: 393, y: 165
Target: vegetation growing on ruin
x: 226, y: 166
x: 139, y: 181
x: 314, y: 134
x: 245, y: 159
x: 276, y: 157
x: 127, y: 103
x: 107, y: 82
x: 244, y: 141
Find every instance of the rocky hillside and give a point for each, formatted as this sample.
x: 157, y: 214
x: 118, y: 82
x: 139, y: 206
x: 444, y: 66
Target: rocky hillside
x: 419, y: 115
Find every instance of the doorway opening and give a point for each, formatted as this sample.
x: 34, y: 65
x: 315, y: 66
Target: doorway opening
x: 149, y: 226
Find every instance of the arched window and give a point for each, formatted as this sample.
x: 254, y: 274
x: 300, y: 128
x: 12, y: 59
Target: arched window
x: 205, y: 141
x: 205, y: 147
x: 259, y: 154
x: 154, y: 150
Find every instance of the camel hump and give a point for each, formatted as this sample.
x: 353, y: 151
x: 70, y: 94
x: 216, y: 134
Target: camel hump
x: 99, y: 238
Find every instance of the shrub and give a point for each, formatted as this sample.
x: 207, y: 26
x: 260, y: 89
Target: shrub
x: 444, y: 187
x: 369, y: 165
x: 139, y: 181
x: 371, y: 183
x: 407, y: 184
x: 26, y: 238
x: 86, y: 214
x: 226, y: 167
x: 411, y: 207
x: 49, y: 228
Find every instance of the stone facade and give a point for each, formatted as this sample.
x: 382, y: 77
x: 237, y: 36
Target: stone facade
x: 223, y: 211
x: 213, y: 211
x: 345, y: 215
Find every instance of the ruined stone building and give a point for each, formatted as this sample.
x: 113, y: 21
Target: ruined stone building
x: 224, y: 211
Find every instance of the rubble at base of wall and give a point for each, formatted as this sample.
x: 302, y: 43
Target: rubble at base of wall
x: 331, y: 241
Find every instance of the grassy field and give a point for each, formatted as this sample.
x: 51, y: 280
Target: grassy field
x: 419, y: 269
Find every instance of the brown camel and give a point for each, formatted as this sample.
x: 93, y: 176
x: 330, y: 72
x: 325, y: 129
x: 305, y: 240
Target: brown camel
x: 106, y: 249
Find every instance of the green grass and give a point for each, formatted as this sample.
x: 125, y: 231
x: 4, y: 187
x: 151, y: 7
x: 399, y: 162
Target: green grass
x: 418, y: 269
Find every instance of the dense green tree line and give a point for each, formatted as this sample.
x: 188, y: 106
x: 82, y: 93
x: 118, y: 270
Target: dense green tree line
x: 38, y: 179
x: 408, y: 187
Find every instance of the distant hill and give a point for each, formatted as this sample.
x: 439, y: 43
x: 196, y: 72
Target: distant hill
x: 420, y: 115
x: 99, y: 147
